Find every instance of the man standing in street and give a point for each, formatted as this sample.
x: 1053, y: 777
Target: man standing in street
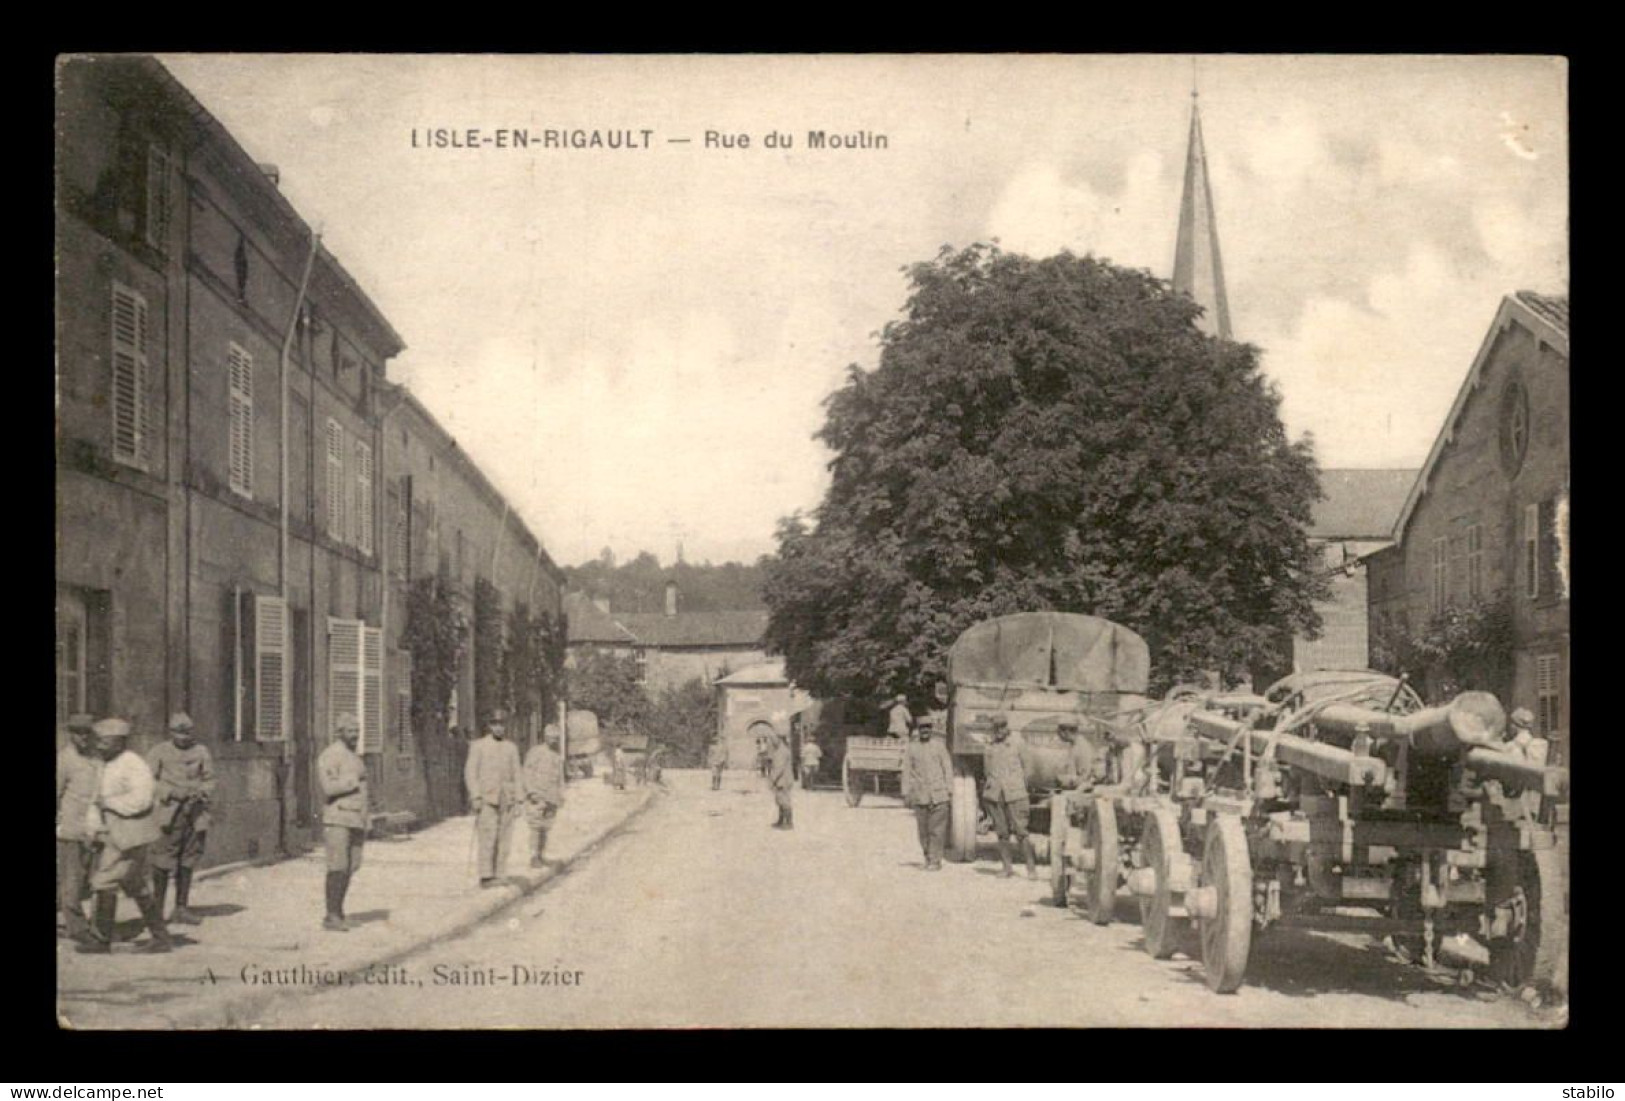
x: 78, y: 775
x: 899, y: 720
x: 184, y: 773
x: 780, y: 778
x: 343, y: 777
x: 1004, y: 792
x: 121, y: 820
x: 544, y: 792
x: 929, y: 780
x: 811, y: 755
x: 717, y: 758
x: 494, y: 785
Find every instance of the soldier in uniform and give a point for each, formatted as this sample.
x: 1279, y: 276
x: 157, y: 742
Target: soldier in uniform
x: 184, y: 772
x: 78, y: 775
x: 899, y: 720
x: 717, y: 758
x: 494, y: 783
x: 1004, y: 792
x: 780, y: 778
x: 544, y: 792
x: 1082, y: 768
x: 343, y: 778
x: 617, y: 768
x: 121, y: 820
x: 929, y: 779
x: 811, y: 755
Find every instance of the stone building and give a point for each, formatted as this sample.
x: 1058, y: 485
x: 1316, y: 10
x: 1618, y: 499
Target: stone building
x: 220, y: 539
x: 1485, y: 523
x: 671, y: 647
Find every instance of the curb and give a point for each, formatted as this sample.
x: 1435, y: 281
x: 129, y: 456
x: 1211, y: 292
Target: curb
x: 240, y: 1012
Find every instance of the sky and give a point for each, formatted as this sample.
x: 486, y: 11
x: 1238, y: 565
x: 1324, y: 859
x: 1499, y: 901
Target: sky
x: 635, y: 343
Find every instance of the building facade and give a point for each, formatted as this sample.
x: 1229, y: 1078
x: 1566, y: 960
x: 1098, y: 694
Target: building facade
x: 220, y: 521
x: 671, y: 647
x: 1484, y: 528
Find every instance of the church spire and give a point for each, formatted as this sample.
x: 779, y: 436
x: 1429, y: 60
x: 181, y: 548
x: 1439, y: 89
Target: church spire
x: 1198, y: 271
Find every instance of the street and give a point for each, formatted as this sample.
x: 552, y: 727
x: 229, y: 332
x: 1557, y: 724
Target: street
x: 699, y: 915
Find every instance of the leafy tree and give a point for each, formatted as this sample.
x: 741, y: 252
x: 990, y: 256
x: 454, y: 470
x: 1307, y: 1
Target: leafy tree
x: 1467, y: 645
x: 1046, y: 434
x: 607, y: 685
x: 684, y: 718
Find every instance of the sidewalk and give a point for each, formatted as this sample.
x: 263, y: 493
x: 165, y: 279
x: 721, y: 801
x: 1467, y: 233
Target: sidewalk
x: 261, y: 936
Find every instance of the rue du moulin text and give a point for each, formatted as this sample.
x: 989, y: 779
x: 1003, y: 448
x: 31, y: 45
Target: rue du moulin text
x: 475, y: 137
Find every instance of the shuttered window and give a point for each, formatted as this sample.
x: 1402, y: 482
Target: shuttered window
x: 270, y: 668
x: 157, y: 227
x: 335, y: 481
x: 240, y: 368
x: 1439, y: 592
x: 372, y: 690
x: 403, y: 722
x: 1531, y: 550
x: 1475, y: 561
x: 129, y: 382
x: 401, y: 550
x: 1551, y: 585
x: 362, y: 521
x: 1548, y: 694
x: 344, y: 672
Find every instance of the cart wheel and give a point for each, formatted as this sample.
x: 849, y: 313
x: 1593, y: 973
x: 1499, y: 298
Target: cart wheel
x: 849, y: 781
x: 1100, y: 881
x: 1159, y: 849
x: 1534, y: 957
x: 962, y: 810
x: 1227, y: 935
x: 1060, y: 876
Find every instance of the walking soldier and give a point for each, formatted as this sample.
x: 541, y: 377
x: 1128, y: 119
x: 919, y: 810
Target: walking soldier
x: 494, y: 786
x: 780, y: 778
x: 343, y: 777
x: 121, y: 821
x: 544, y: 792
x: 1004, y: 792
x: 929, y: 780
x: 78, y: 775
x: 717, y: 757
x: 184, y: 773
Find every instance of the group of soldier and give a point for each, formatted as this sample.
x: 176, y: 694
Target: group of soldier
x: 133, y: 824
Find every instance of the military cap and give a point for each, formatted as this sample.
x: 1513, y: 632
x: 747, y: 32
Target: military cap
x: 81, y: 721
x: 925, y: 722
x: 112, y: 728
x: 180, y: 720
x: 1522, y: 717
x: 497, y: 716
x: 900, y: 698
x: 346, y: 722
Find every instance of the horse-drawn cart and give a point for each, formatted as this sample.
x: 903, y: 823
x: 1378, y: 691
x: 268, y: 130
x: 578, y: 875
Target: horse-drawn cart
x: 872, y: 766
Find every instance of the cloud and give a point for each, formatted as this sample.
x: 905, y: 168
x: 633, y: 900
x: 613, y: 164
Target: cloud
x: 1040, y: 213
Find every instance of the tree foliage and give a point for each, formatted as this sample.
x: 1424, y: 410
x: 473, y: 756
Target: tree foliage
x: 1467, y: 645
x: 436, y: 633
x: 684, y: 718
x: 533, y: 664
x: 1046, y: 434
x: 640, y: 585
x: 607, y: 685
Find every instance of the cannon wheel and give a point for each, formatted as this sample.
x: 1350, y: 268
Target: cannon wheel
x: 1158, y: 848
x: 849, y: 781
x: 1060, y: 876
x: 1227, y: 936
x: 962, y: 812
x: 1100, y: 882
x: 1535, y: 958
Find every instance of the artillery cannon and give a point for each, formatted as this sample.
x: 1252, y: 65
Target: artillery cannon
x: 1331, y: 793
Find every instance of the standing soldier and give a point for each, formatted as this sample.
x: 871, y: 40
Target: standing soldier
x: 1005, y: 794
x: 1082, y: 767
x: 343, y: 776
x: 929, y: 780
x: 717, y: 757
x: 78, y: 775
x: 899, y: 720
x: 494, y: 785
x: 811, y: 754
x: 184, y: 773
x: 121, y: 820
x: 617, y: 767
x: 780, y: 778
x: 544, y: 791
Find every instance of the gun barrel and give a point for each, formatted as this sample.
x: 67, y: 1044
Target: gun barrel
x: 1321, y: 758
x: 1509, y: 768
x: 1471, y: 719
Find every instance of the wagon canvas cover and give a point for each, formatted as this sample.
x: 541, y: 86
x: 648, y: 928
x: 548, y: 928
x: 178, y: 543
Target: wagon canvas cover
x: 1061, y: 650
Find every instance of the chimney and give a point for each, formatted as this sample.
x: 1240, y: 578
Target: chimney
x: 272, y: 173
x: 671, y: 598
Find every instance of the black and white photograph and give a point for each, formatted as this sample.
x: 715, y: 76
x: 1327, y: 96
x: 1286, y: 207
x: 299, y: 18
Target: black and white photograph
x: 860, y: 541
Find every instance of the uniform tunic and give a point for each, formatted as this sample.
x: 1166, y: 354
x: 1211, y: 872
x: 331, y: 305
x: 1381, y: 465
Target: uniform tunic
x: 929, y: 773
x: 343, y: 777
x: 717, y: 757
x: 779, y: 773
x: 122, y: 817
x: 77, y: 779
x: 1005, y: 788
x: 180, y: 773
x: 495, y: 781
x: 899, y: 721
x: 544, y: 786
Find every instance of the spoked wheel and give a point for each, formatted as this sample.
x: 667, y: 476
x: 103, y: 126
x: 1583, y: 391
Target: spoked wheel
x: 850, y: 781
x: 1060, y: 876
x: 962, y: 811
x: 1225, y: 915
x: 1161, y: 851
x: 1100, y: 880
x: 1535, y: 953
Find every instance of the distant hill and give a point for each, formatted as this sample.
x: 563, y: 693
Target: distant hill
x: 640, y: 585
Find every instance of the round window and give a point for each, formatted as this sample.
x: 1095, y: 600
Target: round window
x: 1514, y: 426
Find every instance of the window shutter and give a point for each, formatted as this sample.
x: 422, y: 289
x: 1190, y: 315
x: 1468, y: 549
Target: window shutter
x: 363, y: 521
x: 1550, y: 583
x: 372, y: 690
x: 157, y: 227
x: 1531, y: 550
x: 129, y: 397
x: 343, y: 671
x: 403, y: 722
x: 240, y: 367
x: 335, y: 481
x: 270, y: 668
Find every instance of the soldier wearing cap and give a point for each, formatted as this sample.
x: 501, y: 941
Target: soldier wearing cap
x: 78, y: 775
x: 544, y: 791
x: 717, y: 758
x: 899, y: 720
x: 780, y: 778
x: 343, y: 777
x: 1082, y: 767
x: 1004, y: 793
x: 495, y: 786
x: 184, y: 772
x: 928, y: 781
x: 121, y: 821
